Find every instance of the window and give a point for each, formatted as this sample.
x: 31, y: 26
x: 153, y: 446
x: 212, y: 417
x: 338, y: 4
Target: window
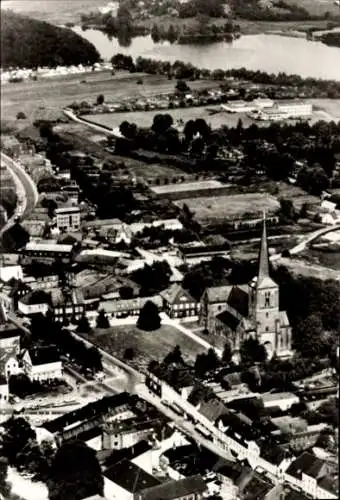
x: 267, y: 328
x: 267, y: 315
x: 266, y: 299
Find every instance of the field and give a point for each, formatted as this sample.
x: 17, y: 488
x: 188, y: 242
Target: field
x: 152, y: 171
x: 58, y: 92
x: 317, y: 7
x: 146, y: 345
x: 211, y: 113
x: 187, y: 186
x: 230, y: 207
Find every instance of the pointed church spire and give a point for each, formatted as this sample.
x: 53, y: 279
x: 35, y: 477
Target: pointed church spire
x: 263, y: 258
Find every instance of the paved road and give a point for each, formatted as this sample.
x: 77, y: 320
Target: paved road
x: 308, y: 239
x: 26, y: 190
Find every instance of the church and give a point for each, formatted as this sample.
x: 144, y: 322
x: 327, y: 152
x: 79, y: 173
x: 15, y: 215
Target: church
x: 238, y: 312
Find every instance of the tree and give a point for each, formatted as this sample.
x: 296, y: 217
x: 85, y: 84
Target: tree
x: 126, y: 292
x: 155, y: 33
x: 308, y: 336
x: 129, y: 353
x: 252, y: 351
x: 5, y: 487
x: 287, y: 209
x: 149, y: 318
x: 227, y: 353
x: 21, y: 116
x: 100, y: 99
x: 102, y: 320
x: 175, y: 356
x: 84, y: 325
x: 182, y: 86
x: 75, y: 473
x: 17, y: 433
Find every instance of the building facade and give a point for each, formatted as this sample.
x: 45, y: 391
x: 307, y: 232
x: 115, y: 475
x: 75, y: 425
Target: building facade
x: 68, y: 218
x: 240, y: 312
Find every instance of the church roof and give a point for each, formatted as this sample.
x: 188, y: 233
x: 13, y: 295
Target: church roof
x: 238, y: 300
x: 263, y: 258
x: 218, y: 293
x: 228, y: 319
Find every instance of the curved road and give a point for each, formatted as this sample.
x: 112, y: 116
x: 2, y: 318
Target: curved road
x: 26, y: 190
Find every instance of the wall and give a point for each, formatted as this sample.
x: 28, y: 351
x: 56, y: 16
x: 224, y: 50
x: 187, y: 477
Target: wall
x: 114, y: 492
x: 8, y: 272
x: 45, y: 372
x: 28, y: 309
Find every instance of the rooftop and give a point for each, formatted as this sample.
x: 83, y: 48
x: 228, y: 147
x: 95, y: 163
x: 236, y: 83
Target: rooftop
x: 44, y: 355
x: 130, y: 477
x: 174, y: 294
x: 173, y: 490
x: 46, y: 246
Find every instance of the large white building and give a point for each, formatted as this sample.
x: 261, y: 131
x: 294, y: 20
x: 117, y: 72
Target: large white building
x: 68, y: 218
x: 42, y: 363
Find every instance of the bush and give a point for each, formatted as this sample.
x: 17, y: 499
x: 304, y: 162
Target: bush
x: 139, y: 81
x: 129, y: 353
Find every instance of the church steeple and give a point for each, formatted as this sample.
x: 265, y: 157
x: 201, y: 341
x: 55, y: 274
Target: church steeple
x: 263, y: 257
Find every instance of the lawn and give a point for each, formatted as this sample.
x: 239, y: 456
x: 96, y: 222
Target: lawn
x: 230, y: 207
x: 146, y: 345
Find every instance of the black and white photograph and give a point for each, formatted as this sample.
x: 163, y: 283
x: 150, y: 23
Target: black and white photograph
x: 169, y: 249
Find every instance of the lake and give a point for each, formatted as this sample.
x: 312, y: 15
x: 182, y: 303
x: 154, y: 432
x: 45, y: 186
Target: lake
x: 270, y: 53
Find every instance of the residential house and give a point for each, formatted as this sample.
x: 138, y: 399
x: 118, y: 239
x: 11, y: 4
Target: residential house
x: 68, y: 218
x: 9, y: 364
x: 178, y: 303
x: 124, y: 480
x: 123, y: 235
x: 127, y: 307
x: 313, y: 476
x: 72, y: 424
x: 9, y: 333
x: 4, y: 390
x: 283, y: 400
x: 10, y: 145
x: 35, y: 302
x: 188, y: 488
x: 127, y: 433
x: 193, y: 253
x: 9, y: 272
x: 42, y: 363
x: 67, y: 304
x: 11, y: 292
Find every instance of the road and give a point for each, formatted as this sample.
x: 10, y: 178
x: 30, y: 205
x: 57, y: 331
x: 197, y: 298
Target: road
x: 308, y: 239
x: 26, y: 190
x: 97, y: 128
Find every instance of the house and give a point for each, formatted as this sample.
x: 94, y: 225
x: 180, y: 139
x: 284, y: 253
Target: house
x: 42, y: 363
x: 284, y: 400
x: 10, y: 293
x: 193, y: 253
x: 11, y: 272
x: 241, y: 312
x: 4, y: 390
x: 68, y: 218
x: 9, y: 334
x: 67, y: 304
x: 127, y: 307
x: 9, y: 364
x: 178, y: 303
x: 188, y: 488
x: 48, y: 250
x: 124, y: 480
x: 35, y: 302
x: 123, y: 235
x: 313, y: 476
x: 70, y: 425
x: 10, y: 145
x: 127, y: 433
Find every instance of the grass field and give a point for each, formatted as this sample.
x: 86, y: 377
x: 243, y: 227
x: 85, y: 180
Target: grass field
x: 145, y: 118
x: 230, y: 207
x: 146, y: 345
x: 152, y: 171
x: 59, y: 92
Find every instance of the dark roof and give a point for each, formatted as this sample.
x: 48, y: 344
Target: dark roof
x: 330, y: 483
x: 229, y: 320
x: 173, y: 490
x: 306, y: 463
x: 291, y: 494
x: 238, y: 300
x: 43, y: 355
x: 274, y: 454
x: 87, y: 412
x: 130, y: 477
x: 36, y: 297
x: 231, y: 470
x: 212, y: 409
x: 233, y: 379
x: 180, y: 452
x: 257, y: 488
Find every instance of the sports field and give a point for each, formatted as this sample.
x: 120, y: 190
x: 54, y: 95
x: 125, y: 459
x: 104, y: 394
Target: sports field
x: 230, y: 207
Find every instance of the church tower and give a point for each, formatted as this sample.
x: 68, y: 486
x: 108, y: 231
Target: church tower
x: 264, y: 301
